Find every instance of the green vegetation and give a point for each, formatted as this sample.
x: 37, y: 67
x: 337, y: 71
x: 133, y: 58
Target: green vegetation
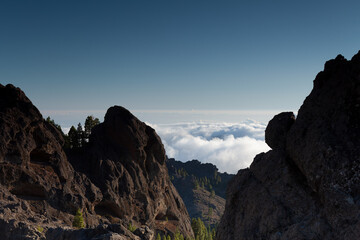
x: 206, y: 183
x: 200, y: 232
x: 51, y: 121
x: 131, y: 227
x: 210, y: 211
x: 39, y: 229
x: 178, y: 235
x: 196, y: 185
x: 181, y: 172
x: 79, y: 137
x: 158, y: 237
x: 78, y: 220
x: 90, y: 122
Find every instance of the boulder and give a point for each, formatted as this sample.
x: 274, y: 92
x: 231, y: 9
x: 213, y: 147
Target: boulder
x: 276, y: 130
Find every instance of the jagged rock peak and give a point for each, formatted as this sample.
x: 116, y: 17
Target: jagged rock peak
x: 307, y: 187
x: 13, y: 97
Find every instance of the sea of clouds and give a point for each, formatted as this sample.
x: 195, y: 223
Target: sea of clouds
x: 229, y: 146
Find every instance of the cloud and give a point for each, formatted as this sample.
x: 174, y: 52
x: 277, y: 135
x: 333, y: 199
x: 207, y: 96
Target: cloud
x: 229, y: 146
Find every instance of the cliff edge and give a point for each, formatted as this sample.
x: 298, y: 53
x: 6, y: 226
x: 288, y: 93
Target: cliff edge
x: 307, y: 186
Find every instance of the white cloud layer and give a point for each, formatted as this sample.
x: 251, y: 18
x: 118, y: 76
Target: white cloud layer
x: 229, y: 146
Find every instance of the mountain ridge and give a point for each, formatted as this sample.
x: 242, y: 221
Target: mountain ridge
x: 40, y: 189
x: 201, y: 187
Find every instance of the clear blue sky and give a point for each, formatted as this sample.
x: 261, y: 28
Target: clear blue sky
x: 171, y: 55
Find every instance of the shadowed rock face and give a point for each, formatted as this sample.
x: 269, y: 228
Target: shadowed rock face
x: 120, y: 177
x: 37, y: 183
x: 307, y: 186
x: 126, y: 159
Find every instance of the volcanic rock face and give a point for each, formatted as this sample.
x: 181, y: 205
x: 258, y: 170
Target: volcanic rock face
x: 120, y: 178
x: 307, y: 187
x: 126, y: 159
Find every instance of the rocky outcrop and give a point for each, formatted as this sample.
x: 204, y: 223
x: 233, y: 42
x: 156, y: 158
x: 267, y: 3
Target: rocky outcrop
x: 37, y: 183
x: 126, y: 160
x: 307, y: 186
x: 118, y: 179
x: 276, y: 130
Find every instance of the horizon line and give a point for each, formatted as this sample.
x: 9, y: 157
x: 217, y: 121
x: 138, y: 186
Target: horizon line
x: 171, y: 111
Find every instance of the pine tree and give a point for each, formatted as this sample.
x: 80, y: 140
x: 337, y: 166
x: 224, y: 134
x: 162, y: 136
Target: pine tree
x: 196, y: 184
x: 73, y: 138
x: 210, y: 211
x: 158, y: 237
x: 90, y: 122
x: 81, y: 137
x: 51, y: 121
x: 131, y: 227
x: 78, y: 220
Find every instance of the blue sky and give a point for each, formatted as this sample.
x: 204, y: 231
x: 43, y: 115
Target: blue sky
x: 75, y: 58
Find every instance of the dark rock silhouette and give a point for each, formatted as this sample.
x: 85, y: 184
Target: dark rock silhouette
x: 118, y: 179
x: 276, y: 130
x: 307, y: 186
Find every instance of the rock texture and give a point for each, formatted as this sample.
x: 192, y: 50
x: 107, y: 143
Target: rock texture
x: 126, y: 160
x: 307, y: 186
x: 120, y: 178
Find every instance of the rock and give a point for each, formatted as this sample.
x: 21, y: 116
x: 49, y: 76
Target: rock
x: 276, y: 130
x: 118, y: 179
x: 126, y: 159
x: 101, y: 232
x: 307, y: 187
x: 35, y: 175
x: 144, y: 233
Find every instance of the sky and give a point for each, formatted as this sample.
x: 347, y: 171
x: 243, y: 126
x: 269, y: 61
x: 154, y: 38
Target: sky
x: 172, y: 62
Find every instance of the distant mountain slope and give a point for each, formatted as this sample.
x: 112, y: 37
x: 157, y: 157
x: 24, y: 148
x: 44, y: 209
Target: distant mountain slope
x: 202, y: 188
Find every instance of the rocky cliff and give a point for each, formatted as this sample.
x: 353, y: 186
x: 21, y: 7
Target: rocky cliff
x: 307, y: 186
x: 126, y: 160
x: 118, y: 179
